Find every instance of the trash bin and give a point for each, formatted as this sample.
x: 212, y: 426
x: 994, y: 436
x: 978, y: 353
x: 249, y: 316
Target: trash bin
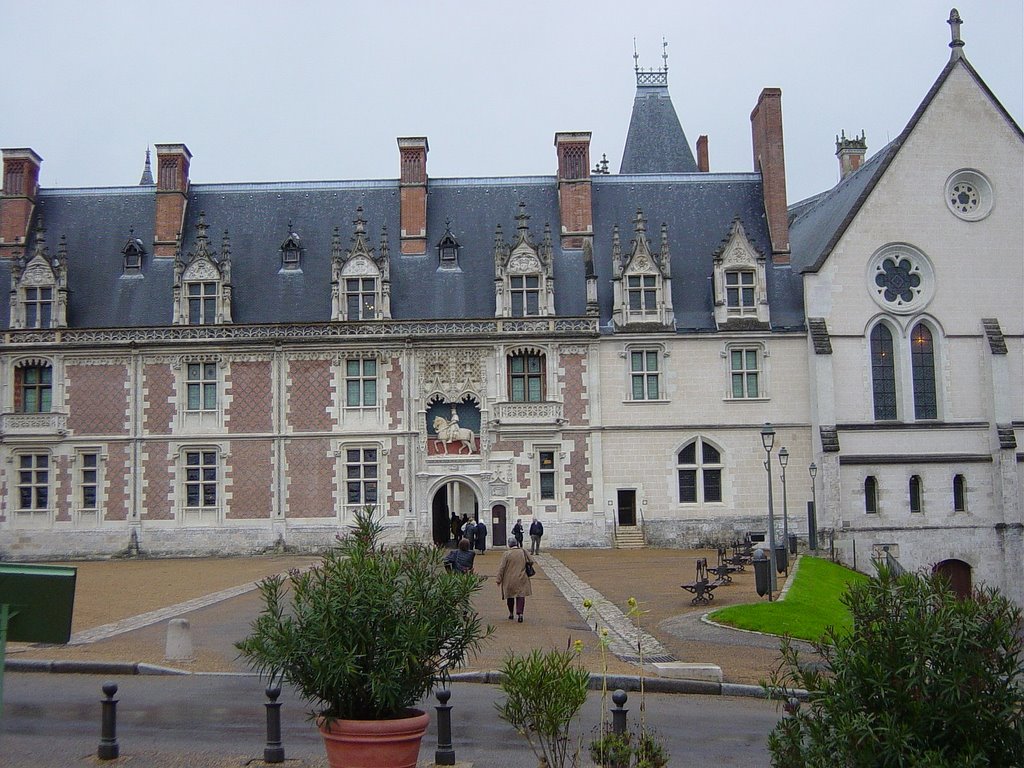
x: 762, y: 577
x: 781, y: 558
x: 792, y: 544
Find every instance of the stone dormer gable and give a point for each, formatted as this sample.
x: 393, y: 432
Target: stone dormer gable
x: 642, y: 279
x: 360, y: 277
x: 202, y: 281
x: 132, y: 254
x: 741, y: 294
x: 524, y: 280
x: 291, y: 252
x: 39, y: 286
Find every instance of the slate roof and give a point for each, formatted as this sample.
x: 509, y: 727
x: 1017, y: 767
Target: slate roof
x: 655, y: 142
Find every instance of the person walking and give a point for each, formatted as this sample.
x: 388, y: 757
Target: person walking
x: 536, y: 531
x: 513, y: 580
x: 456, y: 527
x: 481, y: 537
x: 517, y: 531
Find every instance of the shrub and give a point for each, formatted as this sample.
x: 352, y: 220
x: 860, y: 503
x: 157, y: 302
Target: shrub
x: 924, y: 679
x: 545, y: 691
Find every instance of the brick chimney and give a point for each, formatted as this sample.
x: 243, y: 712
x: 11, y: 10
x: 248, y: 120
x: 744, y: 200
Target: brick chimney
x: 172, y: 162
x: 18, y: 199
x: 770, y: 161
x: 574, y: 209
x: 851, y: 153
x: 703, y: 162
x: 413, y: 189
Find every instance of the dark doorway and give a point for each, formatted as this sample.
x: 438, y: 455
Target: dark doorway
x: 499, y: 533
x: 627, y: 506
x: 441, y: 527
x: 959, y: 574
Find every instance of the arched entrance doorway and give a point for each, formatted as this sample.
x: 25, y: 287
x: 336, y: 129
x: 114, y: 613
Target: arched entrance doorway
x: 959, y: 574
x: 451, y: 496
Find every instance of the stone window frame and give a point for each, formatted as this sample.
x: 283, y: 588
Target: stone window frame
x: 20, y: 387
x: 741, y: 307
x: 700, y: 469
x: 977, y: 188
x: 959, y: 492
x: 362, y: 480
x: 85, y: 515
x: 761, y: 371
x: 871, y: 495
x: 361, y: 379
x: 738, y: 254
x: 900, y: 278
x: 201, y: 515
x: 914, y: 388
x: 203, y: 419
x: 527, y: 352
x: 628, y: 354
x: 25, y: 476
x: 915, y: 494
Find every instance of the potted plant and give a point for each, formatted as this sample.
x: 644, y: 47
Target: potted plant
x: 363, y: 636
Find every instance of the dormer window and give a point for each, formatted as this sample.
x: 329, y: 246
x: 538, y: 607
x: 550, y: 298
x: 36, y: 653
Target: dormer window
x: 360, y: 277
x: 641, y: 279
x: 202, y: 282
x: 523, y: 275
x: 741, y: 294
x: 291, y: 252
x: 448, y: 250
x: 132, y: 254
x: 39, y: 287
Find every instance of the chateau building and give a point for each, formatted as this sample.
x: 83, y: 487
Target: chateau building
x: 193, y: 368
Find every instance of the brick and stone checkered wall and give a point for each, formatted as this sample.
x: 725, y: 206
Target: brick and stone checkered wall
x: 116, y: 480
x: 249, y: 406
x: 311, y: 483
x: 251, y: 479
x: 572, y: 380
x: 158, y: 399
x: 156, y: 493
x: 63, y: 488
x: 579, y: 486
x: 309, y: 395
x: 97, y: 399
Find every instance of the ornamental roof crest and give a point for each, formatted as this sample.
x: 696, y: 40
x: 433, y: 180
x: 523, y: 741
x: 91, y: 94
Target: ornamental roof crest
x: 640, y: 259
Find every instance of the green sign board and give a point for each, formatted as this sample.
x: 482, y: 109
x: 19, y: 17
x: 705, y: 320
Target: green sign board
x: 39, y: 600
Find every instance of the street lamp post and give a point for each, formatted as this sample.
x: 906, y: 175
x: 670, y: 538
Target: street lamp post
x: 768, y: 442
x: 813, y: 471
x: 783, y: 461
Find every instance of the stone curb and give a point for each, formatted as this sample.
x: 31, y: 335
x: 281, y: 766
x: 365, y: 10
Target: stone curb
x: 628, y: 683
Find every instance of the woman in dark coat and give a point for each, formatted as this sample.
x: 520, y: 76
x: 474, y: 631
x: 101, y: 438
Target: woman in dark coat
x: 480, y: 534
x: 512, y: 579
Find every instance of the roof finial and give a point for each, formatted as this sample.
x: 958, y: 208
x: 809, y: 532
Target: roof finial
x: 636, y: 57
x: 664, y: 52
x: 147, y: 173
x: 956, y: 44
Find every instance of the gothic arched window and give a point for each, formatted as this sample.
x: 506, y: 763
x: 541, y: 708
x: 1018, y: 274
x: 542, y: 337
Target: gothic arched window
x: 883, y: 372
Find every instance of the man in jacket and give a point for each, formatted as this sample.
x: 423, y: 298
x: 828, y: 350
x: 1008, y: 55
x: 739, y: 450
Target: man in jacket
x: 536, y: 531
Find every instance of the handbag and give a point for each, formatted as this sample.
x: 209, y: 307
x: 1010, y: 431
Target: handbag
x: 529, y: 569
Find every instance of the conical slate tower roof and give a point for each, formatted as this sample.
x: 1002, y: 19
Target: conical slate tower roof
x: 655, y: 142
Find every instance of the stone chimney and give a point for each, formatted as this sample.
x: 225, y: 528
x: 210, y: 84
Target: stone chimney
x: 413, y: 189
x: 851, y: 153
x: 770, y: 161
x: 574, y: 208
x: 18, y: 198
x: 172, y: 161
x: 703, y: 161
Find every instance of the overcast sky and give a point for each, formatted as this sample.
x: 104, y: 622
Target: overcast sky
x: 283, y: 91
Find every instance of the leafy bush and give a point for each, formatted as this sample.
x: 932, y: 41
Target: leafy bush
x: 923, y: 679
x: 366, y: 632
x: 545, y: 691
x: 639, y: 748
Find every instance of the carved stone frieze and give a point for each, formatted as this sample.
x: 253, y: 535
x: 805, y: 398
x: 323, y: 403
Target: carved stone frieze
x: 452, y: 373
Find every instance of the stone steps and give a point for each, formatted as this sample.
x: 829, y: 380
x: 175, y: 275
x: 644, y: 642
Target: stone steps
x: 629, y: 537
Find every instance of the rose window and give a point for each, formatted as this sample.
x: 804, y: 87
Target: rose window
x: 969, y: 195
x: 964, y: 197
x: 899, y: 280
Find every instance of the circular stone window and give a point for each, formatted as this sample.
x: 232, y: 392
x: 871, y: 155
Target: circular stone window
x: 969, y: 195
x: 900, y: 279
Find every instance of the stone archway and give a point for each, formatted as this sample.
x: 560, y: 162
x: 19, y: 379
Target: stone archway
x: 450, y: 496
x: 959, y: 575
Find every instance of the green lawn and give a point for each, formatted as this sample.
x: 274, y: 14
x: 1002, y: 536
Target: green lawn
x: 811, y: 605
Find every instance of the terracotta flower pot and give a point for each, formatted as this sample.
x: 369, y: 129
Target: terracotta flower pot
x: 374, y: 743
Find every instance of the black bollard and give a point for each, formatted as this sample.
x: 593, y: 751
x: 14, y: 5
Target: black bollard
x: 618, y: 712
x: 108, y: 749
x: 274, y: 751
x: 445, y: 754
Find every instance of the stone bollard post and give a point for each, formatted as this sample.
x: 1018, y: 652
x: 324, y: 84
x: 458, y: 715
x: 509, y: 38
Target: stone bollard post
x: 274, y: 751
x: 618, y: 711
x: 179, y: 641
x: 108, y: 749
x: 445, y: 754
